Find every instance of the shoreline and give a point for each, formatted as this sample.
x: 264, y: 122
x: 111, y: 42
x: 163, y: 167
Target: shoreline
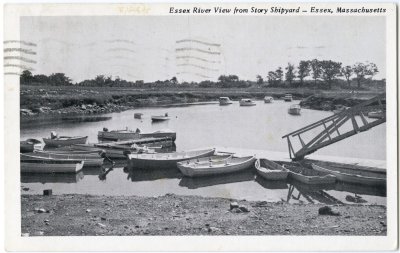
x: 87, y: 215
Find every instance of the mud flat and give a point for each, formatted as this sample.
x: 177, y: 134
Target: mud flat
x: 81, y: 215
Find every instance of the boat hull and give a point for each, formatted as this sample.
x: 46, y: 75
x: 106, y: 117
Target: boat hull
x: 317, y: 178
x: 159, y: 118
x: 64, y: 142
x: 164, y: 160
x: 270, y: 170
x: 39, y: 167
x: 216, y: 168
x: 116, y: 135
x: 294, y: 111
x: 268, y: 100
x: 352, y: 178
x: 89, y: 159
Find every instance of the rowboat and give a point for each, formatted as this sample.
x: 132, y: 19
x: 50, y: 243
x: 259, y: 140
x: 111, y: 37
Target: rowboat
x: 64, y: 141
x: 288, y: 97
x: 271, y: 170
x: 294, y: 110
x: 112, y: 150
x: 165, y: 160
x: 160, y: 118
x: 224, y: 101
x: 376, y: 115
x: 182, y: 166
x: 160, y: 134
x: 309, y: 176
x: 215, y: 167
x: 43, y: 165
x: 137, y: 115
x: 353, y: 175
x: 28, y: 145
x: 246, y: 102
x: 125, y: 134
x: 89, y: 159
x: 268, y: 99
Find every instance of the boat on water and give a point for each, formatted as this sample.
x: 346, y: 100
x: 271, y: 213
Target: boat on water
x: 165, y: 160
x: 160, y: 134
x: 60, y: 141
x: 160, y: 118
x: 50, y: 165
x: 270, y: 170
x: 89, y: 159
x: 124, y: 134
x: 294, y: 110
x: 112, y: 150
x: 352, y: 174
x: 137, y: 115
x: 268, y: 99
x: 309, y: 176
x: 246, y: 102
x: 215, y: 165
x: 28, y: 145
x: 288, y: 97
x: 376, y: 115
x: 224, y: 101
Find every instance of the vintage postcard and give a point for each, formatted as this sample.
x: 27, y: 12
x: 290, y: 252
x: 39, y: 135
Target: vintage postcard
x: 201, y: 127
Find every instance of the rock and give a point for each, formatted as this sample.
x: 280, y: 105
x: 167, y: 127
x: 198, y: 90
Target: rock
x: 88, y: 210
x: 83, y: 107
x: 47, y: 192
x: 244, y: 209
x: 103, y: 218
x: 234, y: 205
x: 25, y: 189
x: 326, y: 210
x: 213, y: 229
x: 383, y: 223
x: 101, y: 225
x: 41, y: 210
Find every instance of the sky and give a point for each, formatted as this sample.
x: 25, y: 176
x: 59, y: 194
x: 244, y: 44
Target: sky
x: 146, y: 48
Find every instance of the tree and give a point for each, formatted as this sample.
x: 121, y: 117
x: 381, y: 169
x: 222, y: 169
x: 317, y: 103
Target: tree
x: 347, y: 72
x: 271, y: 77
x: 303, y: 70
x: 260, y: 80
x: 362, y: 70
x: 330, y: 70
x: 279, y: 74
x: 174, y: 80
x: 59, y: 79
x: 316, y: 69
x: 25, y: 77
x: 290, y: 73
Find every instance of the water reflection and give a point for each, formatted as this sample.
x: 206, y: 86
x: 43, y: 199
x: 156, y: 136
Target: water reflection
x: 311, y: 193
x: 51, y: 178
x: 198, y: 182
x: 135, y: 174
x: 361, y: 189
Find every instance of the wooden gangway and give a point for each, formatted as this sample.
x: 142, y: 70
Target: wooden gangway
x: 336, y: 127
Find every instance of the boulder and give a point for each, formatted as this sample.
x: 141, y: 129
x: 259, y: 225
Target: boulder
x: 234, y: 205
x: 327, y: 210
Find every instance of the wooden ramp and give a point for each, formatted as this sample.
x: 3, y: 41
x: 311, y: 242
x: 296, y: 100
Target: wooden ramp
x: 336, y: 127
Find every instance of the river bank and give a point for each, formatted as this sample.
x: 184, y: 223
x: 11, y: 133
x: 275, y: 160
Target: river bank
x: 42, y: 103
x: 85, y: 215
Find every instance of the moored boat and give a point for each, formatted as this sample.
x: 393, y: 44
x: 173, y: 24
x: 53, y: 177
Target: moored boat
x: 89, y: 159
x: 112, y: 150
x: 160, y: 118
x: 124, y: 134
x: 224, y: 101
x: 376, y: 115
x: 271, y: 170
x: 246, y: 102
x: 288, y: 97
x: 294, y: 110
x: 51, y: 166
x: 165, y: 160
x: 352, y: 174
x: 309, y: 176
x: 160, y: 134
x: 28, y: 145
x: 268, y: 99
x: 61, y: 141
x: 137, y: 115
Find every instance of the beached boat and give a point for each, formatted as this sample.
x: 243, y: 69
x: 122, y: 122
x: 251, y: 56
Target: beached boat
x: 246, y: 102
x: 309, y: 176
x: 271, y: 170
x: 294, y: 110
x: 160, y: 118
x: 215, y: 167
x: 28, y: 145
x: 89, y: 159
x: 288, y: 97
x: 268, y: 99
x: 165, y: 160
x: 376, y: 115
x: 137, y: 115
x: 50, y: 165
x: 352, y: 174
x: 55, y: 141
x: 224, y: 101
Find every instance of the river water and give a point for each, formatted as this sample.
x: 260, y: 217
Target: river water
x: 258, y: 127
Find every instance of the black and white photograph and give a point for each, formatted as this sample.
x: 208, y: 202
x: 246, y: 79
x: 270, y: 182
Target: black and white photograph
x: 201, y: 121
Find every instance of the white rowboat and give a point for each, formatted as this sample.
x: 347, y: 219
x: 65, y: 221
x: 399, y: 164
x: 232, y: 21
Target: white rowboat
x: 271, y: 170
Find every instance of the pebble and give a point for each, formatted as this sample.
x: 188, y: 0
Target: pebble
x: 244, y: 209
x: 88, y: 210
x: 234, y: 205
x: 327, y: 210
x: 103, y: 218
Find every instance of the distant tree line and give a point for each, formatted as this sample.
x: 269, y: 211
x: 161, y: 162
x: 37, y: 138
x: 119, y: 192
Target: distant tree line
x: 325, y: 72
